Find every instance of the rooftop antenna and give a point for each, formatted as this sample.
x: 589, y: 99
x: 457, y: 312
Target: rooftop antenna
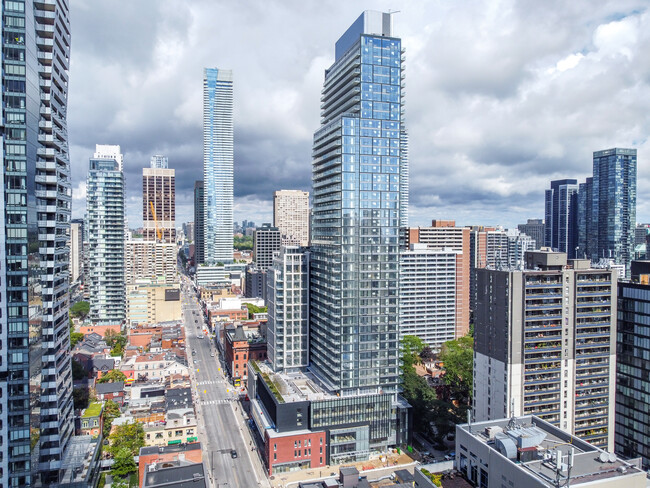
x: 512, y: 424
x: 469, y: 421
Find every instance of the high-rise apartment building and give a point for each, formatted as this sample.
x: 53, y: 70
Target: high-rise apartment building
x: 35, y: 374
x: 561, y: 216
x: 587, y: 234
x: 291, y: 216
x: 358, y: 200
x: 76, y: 252
x: 288, y: 307
x: 266, y: 242
x: 105, y: 206
x: 349, y: 394
x: 199, y: 223
x: 632, y: 365
x: 188, y: 230
x: 614, y: 204
x: 150, y: 260
x: 518, y: 244
x: 545, y: 344
x: 217, y: 165
x: 159, y: 201
x: 536, y: 229
x: 429, y: 294
x: 442, y: 235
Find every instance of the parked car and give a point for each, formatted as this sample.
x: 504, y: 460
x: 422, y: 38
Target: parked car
x: 233, y: 454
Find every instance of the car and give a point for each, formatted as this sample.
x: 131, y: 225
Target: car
x: 193, y: 353
x: 233, y: 454
x: 211, y: 354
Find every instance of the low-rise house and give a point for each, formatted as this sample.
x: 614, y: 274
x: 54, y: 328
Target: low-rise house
x: 111, y: 391
x: 91, y: 419
x: 189, y: 453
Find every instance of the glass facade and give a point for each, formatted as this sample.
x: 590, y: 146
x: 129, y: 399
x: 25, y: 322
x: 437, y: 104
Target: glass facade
x: 105, y: 210
x: 199, y: 223
x: 633, y: 372
x: 561, y: 214
x: 35, y: 374
x: 359, y: 176
x: 614, y: 204
x: 218, y: 165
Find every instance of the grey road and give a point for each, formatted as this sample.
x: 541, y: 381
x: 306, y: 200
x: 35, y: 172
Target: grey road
x: 221, y: 425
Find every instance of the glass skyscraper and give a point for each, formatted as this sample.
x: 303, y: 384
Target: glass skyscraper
x: 561, y: 215
x: 218, y: 165
x: 360, y: 181
x: 35, y: 373
x: 614, y: 204
x: 106, y: 218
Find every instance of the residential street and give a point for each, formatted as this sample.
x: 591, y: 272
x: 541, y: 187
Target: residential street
x: 222, y: 428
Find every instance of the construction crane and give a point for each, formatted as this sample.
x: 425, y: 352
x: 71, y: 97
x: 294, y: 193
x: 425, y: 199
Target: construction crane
x: 153, y: 212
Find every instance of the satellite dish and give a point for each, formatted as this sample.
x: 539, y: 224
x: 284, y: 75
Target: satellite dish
x: 604, y: 457
x: 611, y: 457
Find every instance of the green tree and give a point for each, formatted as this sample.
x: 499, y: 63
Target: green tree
x: 113, y: 338
x: 255, y: 309
x: 427, y: 354
x: 458, y: 359
x: 117, y: 350
x: 80, y: 309
x: 78, y: 371
x: 123, y: 463
x: 111, y: 412
x: 411, y: 348
x: 80, y: 398
x: 128, y: 436
x: 112, y: 376
x: 75, y: 338
x: 243, y: 243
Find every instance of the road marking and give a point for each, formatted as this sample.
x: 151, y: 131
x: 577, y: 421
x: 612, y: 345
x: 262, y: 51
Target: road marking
x: 215, y: 402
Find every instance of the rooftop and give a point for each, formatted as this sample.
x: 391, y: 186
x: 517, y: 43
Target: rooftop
x: 533, y: 444
x: 93, y: 410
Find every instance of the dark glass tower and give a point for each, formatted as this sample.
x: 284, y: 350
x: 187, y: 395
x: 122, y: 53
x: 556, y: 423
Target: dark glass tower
x: 561, y: 204
x: 614, y: 204
x: 360, y: 184
x: 35, y: 373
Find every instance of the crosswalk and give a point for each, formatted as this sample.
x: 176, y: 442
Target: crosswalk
x: 216, y: 402
x: 209, y: 382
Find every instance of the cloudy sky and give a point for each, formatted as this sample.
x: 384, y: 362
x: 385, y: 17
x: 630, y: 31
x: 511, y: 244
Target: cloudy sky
x: 502, y: 96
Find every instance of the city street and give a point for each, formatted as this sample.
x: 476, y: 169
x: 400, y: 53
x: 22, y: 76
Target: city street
x: 222, y: 428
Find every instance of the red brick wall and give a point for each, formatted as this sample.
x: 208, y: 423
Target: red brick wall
x: 100, y: 329
x: 279, y: 450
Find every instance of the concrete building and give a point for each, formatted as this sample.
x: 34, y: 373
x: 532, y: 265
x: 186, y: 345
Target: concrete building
x: 150, y: 260
x: 255, y: 283
x: 291, y: 216
x: 159, y: 192
x: 199, y: 224
x: 288, y: 309
x: 266, y: 242
x: 428, y: 294
x: 217, y: 165
x: 297, y: 407
x: 442, y: 235
x: 536, y: 229
x: 105, y: 207
x: 632, y: 366
x: 151, y: 302
x: 526, y: 451
x: 545, y: 344
x: 76, y: 252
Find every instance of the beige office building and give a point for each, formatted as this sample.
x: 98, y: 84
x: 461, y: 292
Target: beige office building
x: 291, y: 216
x: 150, y: 302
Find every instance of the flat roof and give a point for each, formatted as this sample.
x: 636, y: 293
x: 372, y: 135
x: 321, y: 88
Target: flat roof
x: 93, y: 410
x: 590, y: 463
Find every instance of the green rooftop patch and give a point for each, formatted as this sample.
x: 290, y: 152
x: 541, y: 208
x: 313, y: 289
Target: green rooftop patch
x: 93, y: 410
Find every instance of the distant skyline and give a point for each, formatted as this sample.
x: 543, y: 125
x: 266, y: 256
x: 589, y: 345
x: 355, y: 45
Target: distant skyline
x: 503, y: 97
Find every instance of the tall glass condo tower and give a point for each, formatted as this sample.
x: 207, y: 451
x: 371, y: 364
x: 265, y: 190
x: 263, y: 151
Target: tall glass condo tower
x: 217, y: 165
x: 35, y: 375
x: 360, y: 186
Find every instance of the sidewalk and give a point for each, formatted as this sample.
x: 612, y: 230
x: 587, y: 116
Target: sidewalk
x: 372, y: 469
